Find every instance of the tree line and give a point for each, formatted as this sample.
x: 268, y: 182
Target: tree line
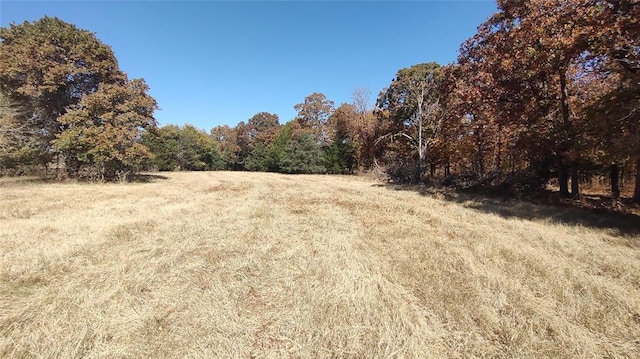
x: 320, y: 139
x: 547, y: 90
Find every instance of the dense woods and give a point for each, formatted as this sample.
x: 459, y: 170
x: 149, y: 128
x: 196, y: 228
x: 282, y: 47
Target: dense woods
x: 547, y: 91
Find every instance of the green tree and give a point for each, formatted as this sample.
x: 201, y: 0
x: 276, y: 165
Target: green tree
x: 303, y: 155
x: 278, y: 148
x: 258, y: 158
x: 163, y: 144
x: 339, y: 156
x: 217, y: 163
x: 194, y: 150
x: 184, y: 148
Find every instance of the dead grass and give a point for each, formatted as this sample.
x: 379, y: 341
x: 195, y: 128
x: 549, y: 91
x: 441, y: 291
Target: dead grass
x: 249, y: 265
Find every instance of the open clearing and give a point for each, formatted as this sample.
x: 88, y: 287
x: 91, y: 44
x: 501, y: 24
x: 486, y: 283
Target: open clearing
x: 255, y: 265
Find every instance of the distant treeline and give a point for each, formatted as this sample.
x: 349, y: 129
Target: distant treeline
x: 547, y: 90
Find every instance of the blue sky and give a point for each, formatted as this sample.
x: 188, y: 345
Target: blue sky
x: 210, y: 63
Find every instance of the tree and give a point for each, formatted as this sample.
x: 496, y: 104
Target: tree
x: 547, y: 67
x: 163, y: 145
x: 303, y: 155
x: 226, y: 144
x: 243, y: 143
x: 313, y: 116
x: 262, y: 128
x: 258, y: 159
x: 103, y: 130
x: 254, y: 137
x: 278, y: 148
x: 362, y: 129
x: 516, y: 90
x: 58, y: 74
x: 615, y: 58
x: 338, y: 156
x: 18, y: 144
x: 185, y: 148
x: 410, y: 106
x: 340, y: 153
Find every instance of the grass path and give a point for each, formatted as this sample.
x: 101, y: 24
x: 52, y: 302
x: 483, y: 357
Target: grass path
x: 251, y: 265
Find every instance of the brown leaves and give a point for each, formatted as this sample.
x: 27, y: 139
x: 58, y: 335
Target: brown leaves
x: 103, y: 129
x: 313, y: 116
x: 85, y: 106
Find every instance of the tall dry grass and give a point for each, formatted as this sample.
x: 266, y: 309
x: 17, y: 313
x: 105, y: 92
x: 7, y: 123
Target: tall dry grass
x: 249, y: 265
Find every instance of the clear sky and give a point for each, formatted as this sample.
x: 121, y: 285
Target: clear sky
x: 211, y: 62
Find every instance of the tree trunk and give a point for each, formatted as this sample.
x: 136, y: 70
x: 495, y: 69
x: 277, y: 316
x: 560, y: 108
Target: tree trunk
x: 563, y: 179
x: 615, y: 180
x: 562, y: 173
x: 564, y: 97
x: 575, y: 180
x: 432, y: 169
x: 421, y: 154
x: 512, y: 164
x: 447, y: 169
x: 417, y: 176
x: 479, y: 156
x: 420, y: 168
x: 499, y: 155
x: 636, y: 190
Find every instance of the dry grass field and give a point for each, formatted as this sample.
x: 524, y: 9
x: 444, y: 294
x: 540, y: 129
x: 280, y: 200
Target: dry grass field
x: 254, y: 265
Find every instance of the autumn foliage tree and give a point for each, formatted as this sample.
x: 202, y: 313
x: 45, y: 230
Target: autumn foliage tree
x: 102, y: 131
x: 313, y: 117
x: 616, y: 64
x: 411, y: 115
x: 255, y: 137
x: 225, y: 139
x: 360, y: 124
x: 74, y: 101
x: 545, y: 69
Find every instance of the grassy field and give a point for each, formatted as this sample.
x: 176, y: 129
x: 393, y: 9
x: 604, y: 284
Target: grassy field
x: 251, y: 265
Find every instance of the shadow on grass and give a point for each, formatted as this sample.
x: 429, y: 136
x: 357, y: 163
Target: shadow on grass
x: 47, y: 179
x: 587, y: 211
x: 147, y: 178
x: 26, y: 180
